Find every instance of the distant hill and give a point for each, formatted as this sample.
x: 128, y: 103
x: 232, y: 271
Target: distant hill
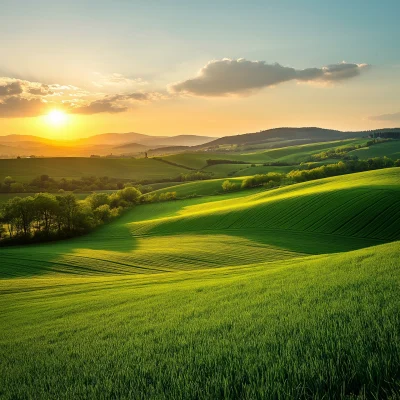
x: 139, y: 138
x: 297, y: 135
x: 103, y: 144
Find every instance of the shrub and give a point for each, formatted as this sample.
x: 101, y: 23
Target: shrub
x: 167, y: 196
x: 102, y: 213
x: 130, y: 194
x: 228, y: 186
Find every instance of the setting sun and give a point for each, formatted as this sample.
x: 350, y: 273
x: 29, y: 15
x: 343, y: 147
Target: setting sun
x: 57, y: 117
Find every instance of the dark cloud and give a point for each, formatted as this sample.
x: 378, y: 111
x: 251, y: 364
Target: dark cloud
x: 11, y: 88
x: 99, y: 106
x: 115, y: 103
x: 18, y: 107
x: 138, y: 96
x: 395, y: 117
x: 42, y: 90
x: 227, y: 77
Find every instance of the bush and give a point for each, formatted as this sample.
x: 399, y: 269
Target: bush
x: 130, y: 194
x: 97, y: 199
x: 167, y: 196
x: 102, y: 213
x: 228, y: 186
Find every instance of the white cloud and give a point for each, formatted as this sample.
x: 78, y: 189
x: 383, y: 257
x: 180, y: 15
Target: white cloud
x: 241, y: 77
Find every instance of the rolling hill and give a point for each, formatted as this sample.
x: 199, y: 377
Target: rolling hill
x: 218, y: 297
x: 323, y: 216
x: 26, y: 169
x: 281, y: 136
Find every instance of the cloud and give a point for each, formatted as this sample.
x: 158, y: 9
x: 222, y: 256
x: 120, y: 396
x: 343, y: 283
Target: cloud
x: 115, y: 103
x: 99, y: 106
x: 11, y: 88
x: 240, y: 77
x: 117, y: 79
x: 18, y: 107
x: 21, y: 98
x: 39, y: 90
x: 395, y: 117
x: 137, y: 96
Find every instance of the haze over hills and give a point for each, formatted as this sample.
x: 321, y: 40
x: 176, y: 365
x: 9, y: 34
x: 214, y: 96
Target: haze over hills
x: 102, y: 144
x: 133, y: 143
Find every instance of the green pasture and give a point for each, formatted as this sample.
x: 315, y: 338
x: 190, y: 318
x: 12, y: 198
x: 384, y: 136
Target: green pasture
x: 259, y: 294
x: 389, y: 149
x: 26, y: 169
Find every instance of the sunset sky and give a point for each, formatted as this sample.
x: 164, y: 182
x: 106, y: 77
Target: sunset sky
x: 71, y: 69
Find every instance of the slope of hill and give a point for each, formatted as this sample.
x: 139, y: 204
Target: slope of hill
x: 311, y: 134
x: 389, y: 149
x: 24, y: 170
x: 329, y: 215
x: 328, y: 323
x: 290, y: 155
x: 239, y: 292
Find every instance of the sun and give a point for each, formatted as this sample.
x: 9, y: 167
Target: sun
x: 57, y: 117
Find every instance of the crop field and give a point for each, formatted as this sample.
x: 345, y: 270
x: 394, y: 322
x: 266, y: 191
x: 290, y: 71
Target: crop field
x: 224, y: 170
x: 389, y: 149
x: 291, y: 155
x: 26, y: 169
x: 260, y: 294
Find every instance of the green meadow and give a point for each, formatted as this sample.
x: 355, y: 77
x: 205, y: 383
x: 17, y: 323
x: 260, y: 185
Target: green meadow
x: 26, y: 169
x: 290, y: 155
x: 258, y: 294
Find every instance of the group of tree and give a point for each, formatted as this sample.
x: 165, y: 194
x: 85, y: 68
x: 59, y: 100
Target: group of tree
x: 45, y: 183
x: 194, y: 176
x: 273, y: 179
x: 341, y: 168
x: 50, y: 185
x: 341, y: 151
x: 45, y: 216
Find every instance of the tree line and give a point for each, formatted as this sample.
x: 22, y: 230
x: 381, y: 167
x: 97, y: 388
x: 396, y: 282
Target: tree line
x: 341, y: 151
x: 44, y: 183
x: 274, y: 179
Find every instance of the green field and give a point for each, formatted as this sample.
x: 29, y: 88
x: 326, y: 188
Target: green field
x: 389, y: 149
x: 26, y: 169
x: 285, y: 293
x: 290, y: 155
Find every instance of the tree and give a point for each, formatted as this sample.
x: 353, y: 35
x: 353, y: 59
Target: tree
x: 228, y: 186
x: 46, y: 209
x: 97, y: 199
x: 68, y: 208
x: 8, y: 180
x: 102, y: 213
x: 130, y: 195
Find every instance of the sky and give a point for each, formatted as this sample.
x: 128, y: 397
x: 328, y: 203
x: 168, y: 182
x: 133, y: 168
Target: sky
x: 71, y: 69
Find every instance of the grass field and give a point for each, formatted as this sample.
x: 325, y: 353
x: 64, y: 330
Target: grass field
x: 291, y: 155
x: 389, y: 149
x: 286, y: 293
x: 26, y: 169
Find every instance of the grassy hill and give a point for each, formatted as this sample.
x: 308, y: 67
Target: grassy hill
x: 324, y: 216
x: 214, y: 297
x: 389, y: 149
x: 330, y: 323
x: 291, y: 155
x: 282, y: 135
x: 26, y: 169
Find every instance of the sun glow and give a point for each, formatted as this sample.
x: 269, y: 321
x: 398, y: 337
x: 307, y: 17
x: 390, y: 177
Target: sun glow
x: 57, y: 117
